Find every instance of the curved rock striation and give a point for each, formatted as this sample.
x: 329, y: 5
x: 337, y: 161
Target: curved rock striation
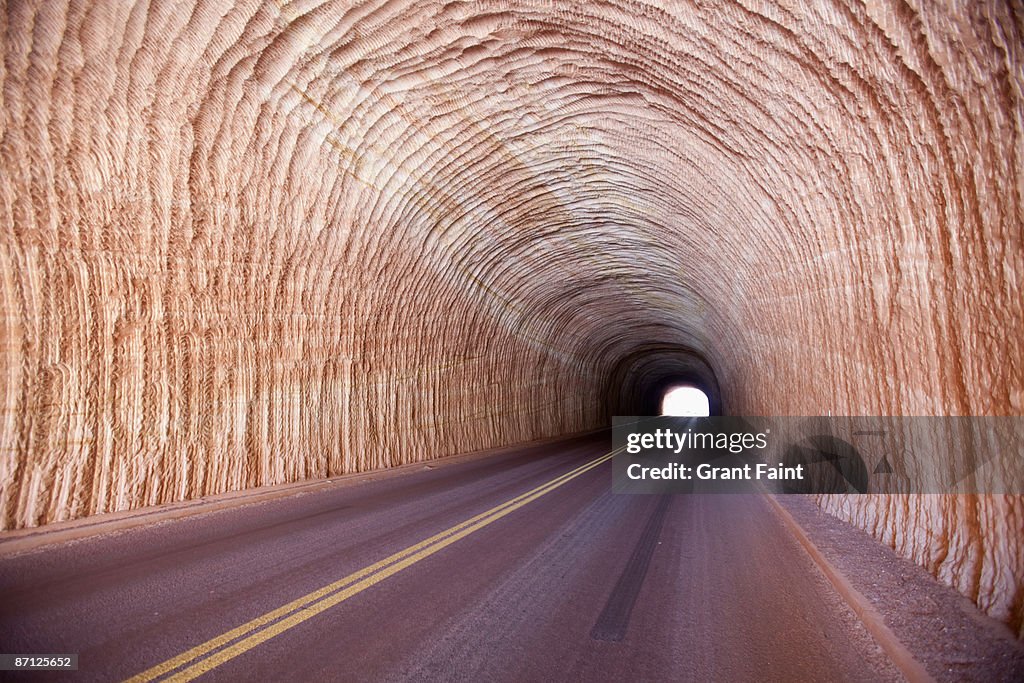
x: 245, y: 243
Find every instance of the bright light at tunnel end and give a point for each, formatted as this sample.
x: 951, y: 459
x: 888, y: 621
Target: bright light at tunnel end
x: 685, y: 402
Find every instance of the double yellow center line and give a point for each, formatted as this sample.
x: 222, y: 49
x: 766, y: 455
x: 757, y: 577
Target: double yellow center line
x: 216, y: 651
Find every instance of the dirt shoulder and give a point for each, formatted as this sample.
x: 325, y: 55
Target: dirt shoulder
x: 940, y: 628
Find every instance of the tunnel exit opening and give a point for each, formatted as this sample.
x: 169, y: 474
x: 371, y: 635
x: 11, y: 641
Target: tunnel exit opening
x: 685, y: 401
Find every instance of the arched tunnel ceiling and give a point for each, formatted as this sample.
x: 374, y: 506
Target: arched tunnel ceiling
x: 252, y: 242
x: 774, y: 186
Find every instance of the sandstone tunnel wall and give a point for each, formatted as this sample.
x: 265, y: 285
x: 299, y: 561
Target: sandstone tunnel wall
x: 252, y: 242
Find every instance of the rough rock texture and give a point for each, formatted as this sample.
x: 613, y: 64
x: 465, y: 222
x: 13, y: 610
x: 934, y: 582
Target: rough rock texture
x: 250, y: 242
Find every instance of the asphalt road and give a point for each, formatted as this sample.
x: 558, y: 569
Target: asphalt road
x: 436, y: 575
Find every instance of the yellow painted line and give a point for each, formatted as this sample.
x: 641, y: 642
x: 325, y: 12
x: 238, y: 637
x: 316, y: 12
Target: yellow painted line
x: 257, y: 631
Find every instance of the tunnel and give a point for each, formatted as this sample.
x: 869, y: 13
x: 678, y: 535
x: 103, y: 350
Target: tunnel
x: 250, y: 245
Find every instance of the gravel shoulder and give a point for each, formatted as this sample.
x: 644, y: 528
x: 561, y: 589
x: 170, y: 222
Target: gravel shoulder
x: 942, y: 629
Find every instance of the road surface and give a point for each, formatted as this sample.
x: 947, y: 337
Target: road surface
x: 521, y: 566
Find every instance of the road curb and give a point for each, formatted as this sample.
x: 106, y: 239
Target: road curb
x: 911, y: 669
